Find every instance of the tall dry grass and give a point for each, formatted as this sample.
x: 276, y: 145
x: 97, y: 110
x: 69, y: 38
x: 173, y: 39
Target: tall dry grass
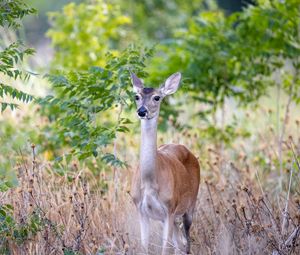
x: 236, y: 212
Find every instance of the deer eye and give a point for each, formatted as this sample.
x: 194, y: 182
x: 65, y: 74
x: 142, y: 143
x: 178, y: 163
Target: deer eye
x: 136, y: 97
x: 156, y: 98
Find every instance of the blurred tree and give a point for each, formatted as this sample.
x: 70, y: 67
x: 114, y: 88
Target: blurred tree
x: 234, y: 57
x: 12, y: 54
x: 83, y: 33
x: 154, y: 20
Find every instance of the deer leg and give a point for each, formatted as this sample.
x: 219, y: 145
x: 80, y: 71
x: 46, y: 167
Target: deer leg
x: 167, y: 234
x: 187, y: 222
x: 144, y: 225
x: 177, y: 241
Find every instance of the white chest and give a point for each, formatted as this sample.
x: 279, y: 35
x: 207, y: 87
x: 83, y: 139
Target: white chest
x: 151, y: 206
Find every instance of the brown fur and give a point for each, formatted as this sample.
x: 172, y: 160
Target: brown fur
x: 178, y: 177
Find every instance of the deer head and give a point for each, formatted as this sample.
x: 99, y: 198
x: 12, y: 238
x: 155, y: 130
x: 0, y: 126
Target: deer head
x: 148, y: 100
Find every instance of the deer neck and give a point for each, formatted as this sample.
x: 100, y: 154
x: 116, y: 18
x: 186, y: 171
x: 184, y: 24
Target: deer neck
x: 148, y: 152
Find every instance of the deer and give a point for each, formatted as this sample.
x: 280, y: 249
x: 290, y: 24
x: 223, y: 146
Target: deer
x: 166, y: 182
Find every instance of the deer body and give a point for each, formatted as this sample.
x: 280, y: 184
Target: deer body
x: 178, y: 193
x: 165, y: 185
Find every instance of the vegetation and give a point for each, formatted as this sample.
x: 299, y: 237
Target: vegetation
x: 12, y: 55
x: 66, y: 159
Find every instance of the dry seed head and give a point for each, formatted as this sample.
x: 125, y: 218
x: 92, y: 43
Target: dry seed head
x: 245, y: 189
x: 256, y: 228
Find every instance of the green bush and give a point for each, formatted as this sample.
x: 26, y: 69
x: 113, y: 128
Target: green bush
x: 83, y: 33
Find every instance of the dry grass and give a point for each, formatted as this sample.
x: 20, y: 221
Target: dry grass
x: 234, y: 214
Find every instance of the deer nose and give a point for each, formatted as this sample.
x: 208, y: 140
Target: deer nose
x: 142, y: 112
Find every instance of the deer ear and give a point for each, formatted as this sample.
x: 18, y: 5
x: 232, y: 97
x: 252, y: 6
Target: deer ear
x: 136, y: 82
x: 171, y: 84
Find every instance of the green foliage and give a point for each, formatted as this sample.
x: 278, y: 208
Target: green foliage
x: 270, y: 35
x: 234, y: 57
x: 226, y: 135
x: 12, y: 11
x: 86, y: 112
x: 18, y: 232
x: 14, y: 144
x: 12, y: 56
x: 83, y: 33
x: 4, y: 185
x: 208, y: 54
x: 149, y: 15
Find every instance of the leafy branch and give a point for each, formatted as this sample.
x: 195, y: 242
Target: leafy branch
x: 12, y: 56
